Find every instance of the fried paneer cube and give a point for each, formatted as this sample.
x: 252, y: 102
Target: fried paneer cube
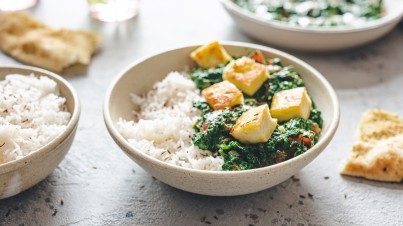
x: 254, y: 126
x: 210, y: 55
x: 222, y: 95
x: 291, y: 103
x: 246, y: 74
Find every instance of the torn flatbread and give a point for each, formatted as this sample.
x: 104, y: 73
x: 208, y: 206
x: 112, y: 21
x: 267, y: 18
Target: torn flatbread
x: 378, y: 151
x: 31, y: 42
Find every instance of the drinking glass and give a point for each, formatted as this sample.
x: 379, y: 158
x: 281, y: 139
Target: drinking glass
x: 13, y: 5
x: 113, y: 10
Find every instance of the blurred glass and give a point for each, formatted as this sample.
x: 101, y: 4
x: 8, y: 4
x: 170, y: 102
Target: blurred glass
x: 113, y: 10
x: 13, y: 5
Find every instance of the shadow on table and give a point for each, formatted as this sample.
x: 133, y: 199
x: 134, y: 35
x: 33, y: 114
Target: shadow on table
x: 74, y: 71
x: 387, y: 185
x: 13, y: 209
x: 282, y: 204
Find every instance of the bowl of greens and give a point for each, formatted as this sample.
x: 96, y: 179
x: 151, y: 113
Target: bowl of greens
x: 315, y: 25
x: 221, y: 119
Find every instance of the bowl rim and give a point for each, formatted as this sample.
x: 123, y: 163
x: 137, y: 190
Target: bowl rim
x: 120, y: 140
x: 383, y: 21
x: 52, y: 145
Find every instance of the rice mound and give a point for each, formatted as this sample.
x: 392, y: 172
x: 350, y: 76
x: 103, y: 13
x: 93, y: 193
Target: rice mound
x: 31, y: 115
x: 163, y: 123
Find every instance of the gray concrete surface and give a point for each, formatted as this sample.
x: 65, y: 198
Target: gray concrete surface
x: 97, y: 184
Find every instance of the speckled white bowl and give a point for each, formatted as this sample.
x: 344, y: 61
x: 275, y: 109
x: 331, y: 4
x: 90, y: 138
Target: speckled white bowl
x: 19, y: 175
x: 314, y: 39
x: 139, y: 78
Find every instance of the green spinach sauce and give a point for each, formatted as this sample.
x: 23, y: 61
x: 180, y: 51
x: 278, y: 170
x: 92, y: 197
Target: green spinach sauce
x: 316, y: 13
x: 289, y: 139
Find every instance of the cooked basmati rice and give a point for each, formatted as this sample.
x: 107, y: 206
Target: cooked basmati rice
x: 163, y: 124
x: 31, y: 115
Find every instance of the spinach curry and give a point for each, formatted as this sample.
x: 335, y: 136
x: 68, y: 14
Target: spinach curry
x: 289, y: 139
x: 315, y: 13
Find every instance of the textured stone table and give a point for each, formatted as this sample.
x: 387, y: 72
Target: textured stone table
x: 97, y: 184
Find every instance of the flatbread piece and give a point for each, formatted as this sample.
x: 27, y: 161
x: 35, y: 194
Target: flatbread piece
x: 30, y: 41
x: 378, y: 152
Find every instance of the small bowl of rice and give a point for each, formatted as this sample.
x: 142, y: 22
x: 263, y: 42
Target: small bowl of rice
x: 39, y: 114
x: 150, y: 112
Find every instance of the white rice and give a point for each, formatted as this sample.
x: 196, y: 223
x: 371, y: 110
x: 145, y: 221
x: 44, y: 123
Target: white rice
x: 31, y: 115
x: 163, y: 124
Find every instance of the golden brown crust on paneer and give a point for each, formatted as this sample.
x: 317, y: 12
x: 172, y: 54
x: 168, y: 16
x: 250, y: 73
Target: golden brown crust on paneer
x: 222, y: 95
x: 291, y: 103
x: 254, y: 126
x: 246, y: 74
x: 210, y: 55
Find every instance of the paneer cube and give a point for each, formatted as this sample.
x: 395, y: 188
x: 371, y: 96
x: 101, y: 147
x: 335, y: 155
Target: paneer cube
x: 292, y: 103
x: 222, y: 95
x: 254, y: 126
x: 210, y: 55
x: 246, y: 74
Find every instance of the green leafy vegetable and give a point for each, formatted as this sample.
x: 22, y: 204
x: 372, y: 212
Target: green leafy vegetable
x: 214, y: 126
x: 317, y: 13
x: 204, y: 78
x: 289, y: 139
x: 287, y: 78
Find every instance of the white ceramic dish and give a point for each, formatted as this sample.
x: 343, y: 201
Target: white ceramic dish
x: 314, y: 39
x: 18, y: 175
x: 139, y: 78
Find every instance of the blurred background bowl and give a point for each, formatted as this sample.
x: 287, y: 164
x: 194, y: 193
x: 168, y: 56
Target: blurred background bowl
x: 19, y: 175
x: 315, y: 39
x: 140, y: 77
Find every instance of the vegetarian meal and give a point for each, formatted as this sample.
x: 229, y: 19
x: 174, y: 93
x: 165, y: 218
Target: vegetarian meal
x: 230, y: 113
x: 316, y: 13
x: 32, y: 113
x: 32, y: 42
x: 378, y: 151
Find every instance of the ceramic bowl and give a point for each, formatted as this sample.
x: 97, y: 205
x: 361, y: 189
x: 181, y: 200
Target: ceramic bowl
x: 139, y: 78
x: 314, y: 39
x: 19, y: 175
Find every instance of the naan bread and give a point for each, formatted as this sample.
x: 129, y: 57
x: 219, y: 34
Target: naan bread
x: 29, y: 41
x: 378, y: 151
